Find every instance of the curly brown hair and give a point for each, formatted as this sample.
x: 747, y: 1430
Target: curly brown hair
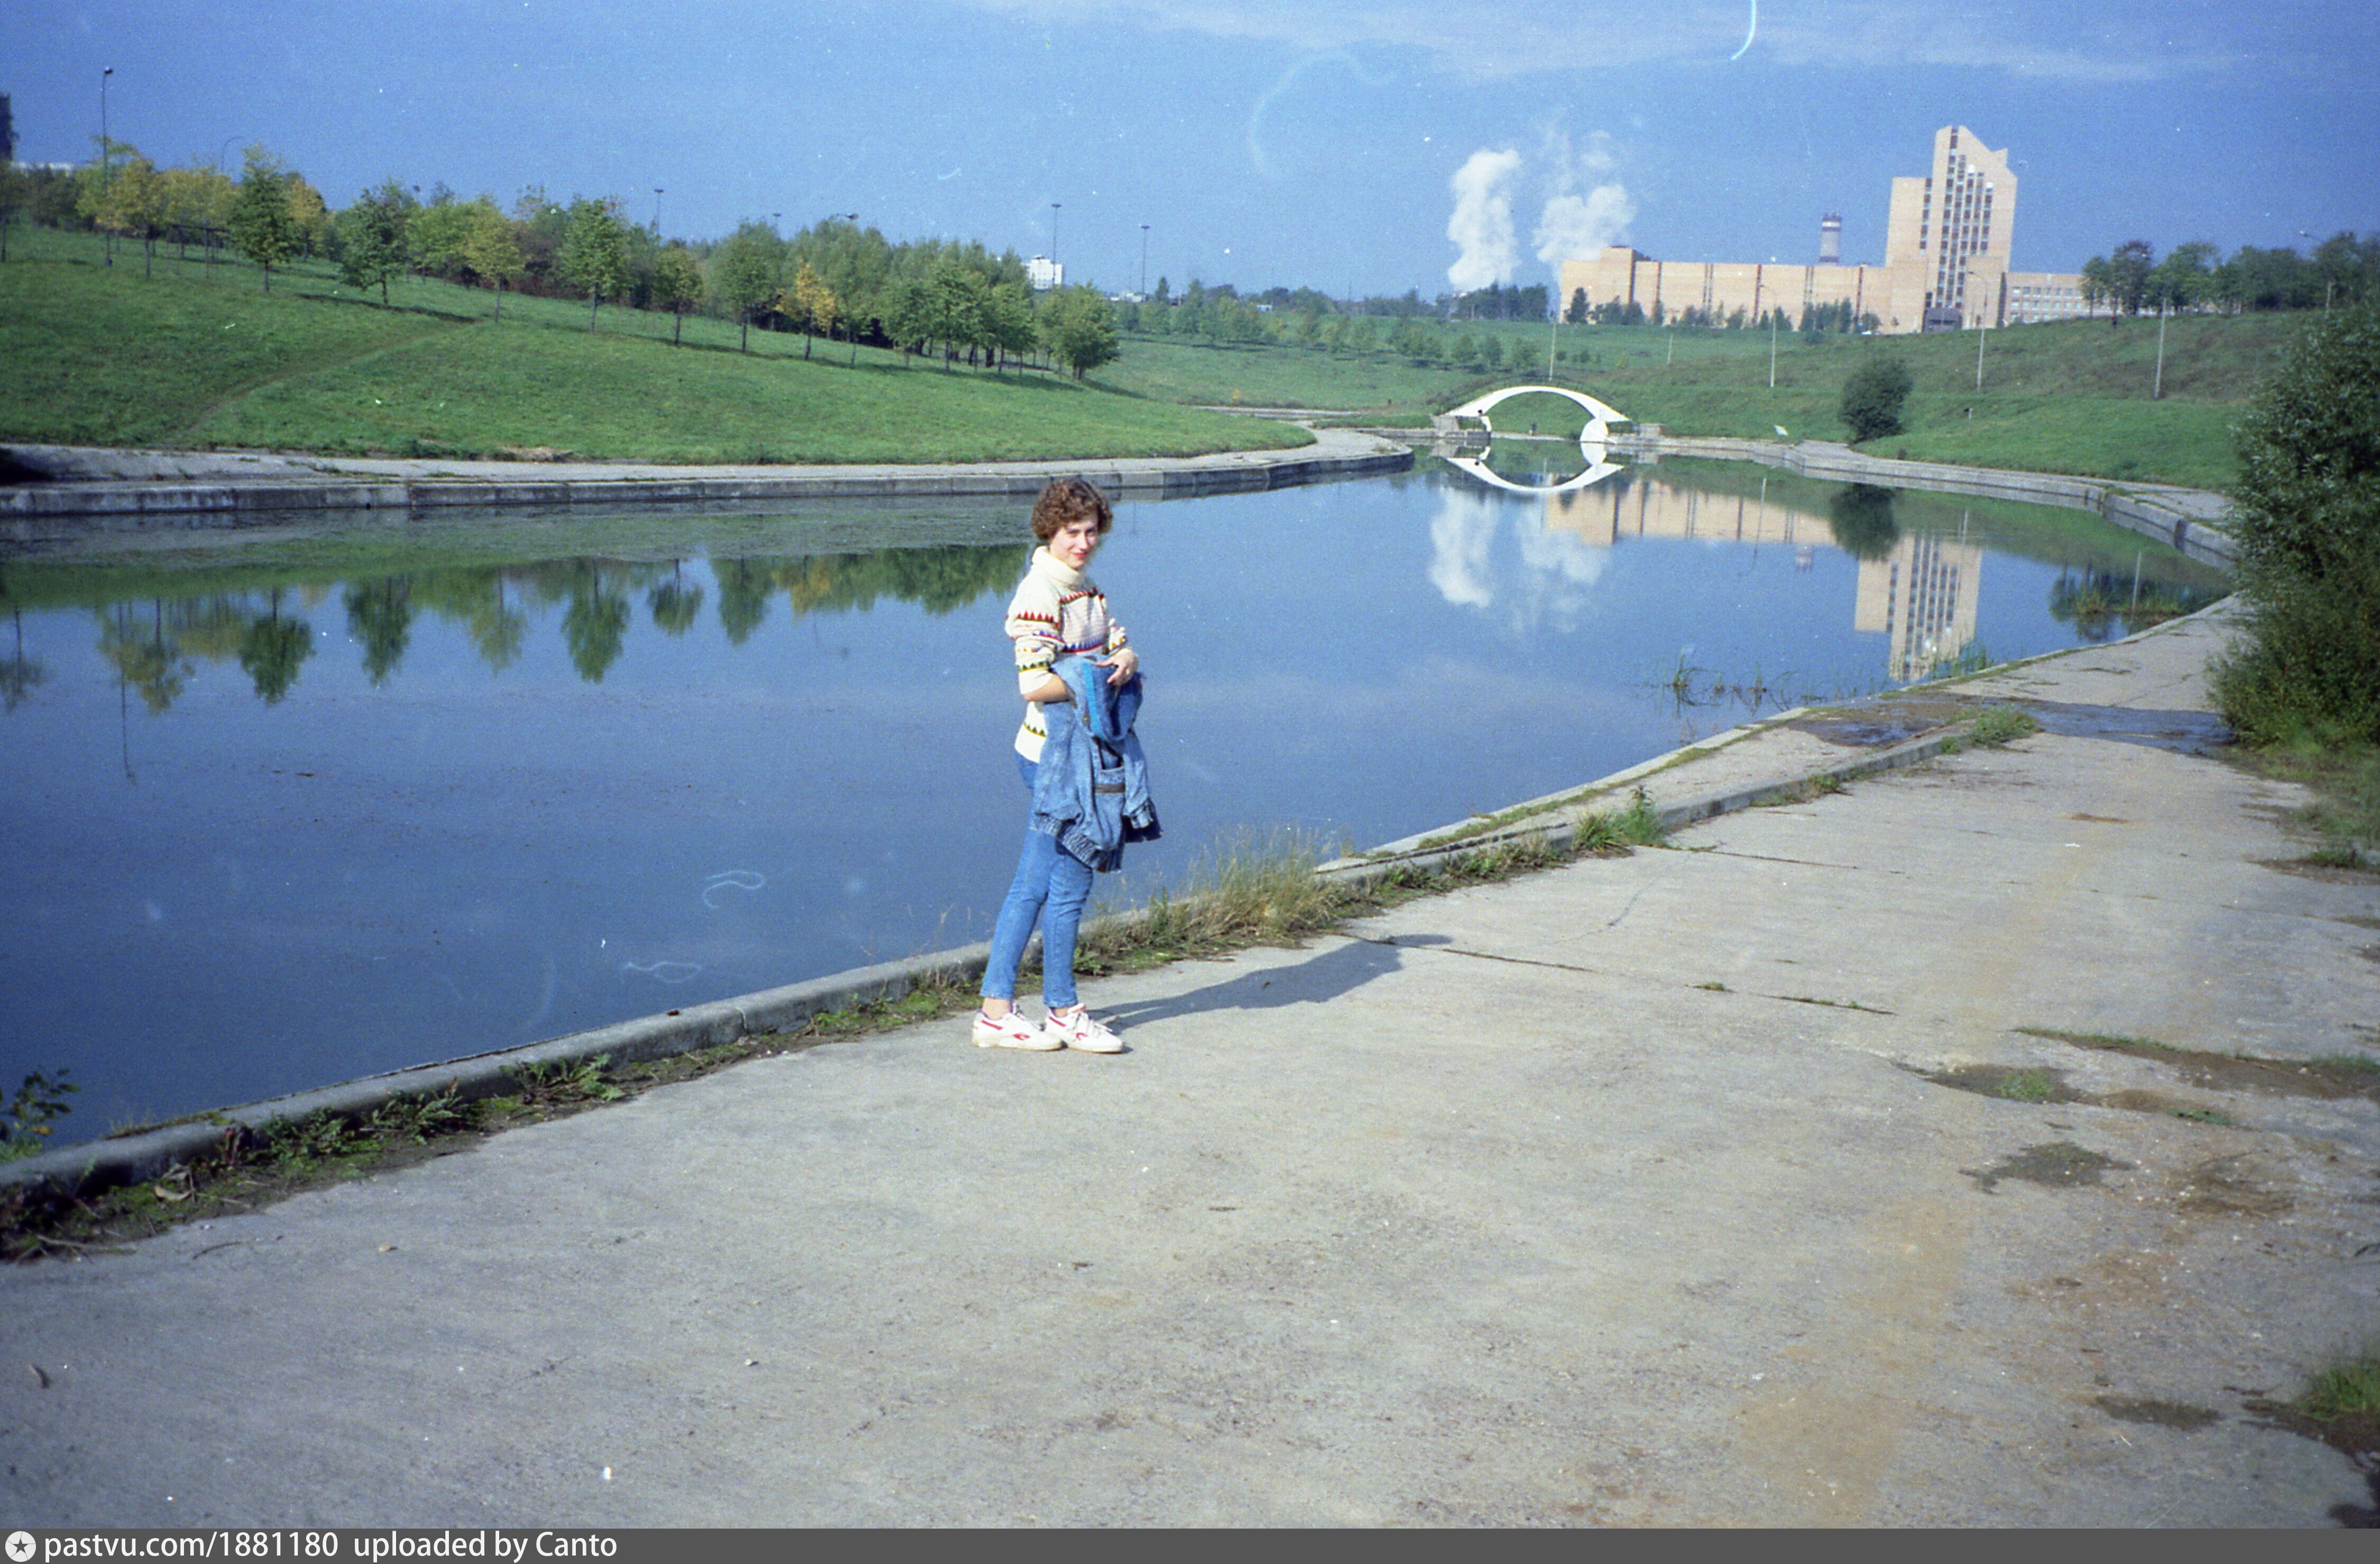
x: 1069, y: 499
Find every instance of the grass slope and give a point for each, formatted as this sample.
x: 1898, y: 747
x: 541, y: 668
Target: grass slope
x: 2069, y: 398
x: 191, y: 357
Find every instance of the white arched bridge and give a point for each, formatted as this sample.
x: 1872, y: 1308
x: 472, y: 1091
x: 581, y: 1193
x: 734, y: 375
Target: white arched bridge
x: 1593, y: 437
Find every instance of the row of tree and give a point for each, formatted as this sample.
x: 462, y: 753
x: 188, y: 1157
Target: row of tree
x: 835, y: 279
x: 2131, y: 280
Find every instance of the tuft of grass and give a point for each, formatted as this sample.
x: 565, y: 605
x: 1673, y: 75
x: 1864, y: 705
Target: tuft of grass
x: 1997, y: 726
x: 2028, y: 1086
x: 2347, y: 1386
x: 1817, y: 785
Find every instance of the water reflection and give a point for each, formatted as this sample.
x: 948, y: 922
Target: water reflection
x: 1918, y: 589
x: 157, y: 643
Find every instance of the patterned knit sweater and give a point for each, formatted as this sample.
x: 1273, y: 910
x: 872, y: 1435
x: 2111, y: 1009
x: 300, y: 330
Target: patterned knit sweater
x: 1056, y: 613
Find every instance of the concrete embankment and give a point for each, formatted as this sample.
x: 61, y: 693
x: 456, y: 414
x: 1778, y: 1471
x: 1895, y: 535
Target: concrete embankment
x: 1884, y: 1157
x: 2188, y: 519
x: 210, y: 488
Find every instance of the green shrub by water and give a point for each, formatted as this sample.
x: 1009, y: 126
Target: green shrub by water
x: 2306, y: 521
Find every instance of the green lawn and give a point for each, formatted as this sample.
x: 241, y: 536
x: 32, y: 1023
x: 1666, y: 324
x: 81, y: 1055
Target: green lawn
x: 194, y: 355
x: 200, y: 356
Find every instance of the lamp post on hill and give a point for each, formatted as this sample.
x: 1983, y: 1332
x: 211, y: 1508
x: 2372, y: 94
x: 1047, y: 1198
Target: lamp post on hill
x: 658, y: 193
x: 106, y: 170
x: 1143, y: 260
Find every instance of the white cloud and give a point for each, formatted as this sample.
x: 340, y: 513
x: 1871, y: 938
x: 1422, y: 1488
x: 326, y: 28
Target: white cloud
x: 1481, y: 226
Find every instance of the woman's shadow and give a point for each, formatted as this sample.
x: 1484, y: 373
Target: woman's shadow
x: 1323, y: 978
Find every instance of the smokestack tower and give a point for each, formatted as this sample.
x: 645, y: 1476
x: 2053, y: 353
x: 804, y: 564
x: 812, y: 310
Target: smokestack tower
x: 1830, y: 240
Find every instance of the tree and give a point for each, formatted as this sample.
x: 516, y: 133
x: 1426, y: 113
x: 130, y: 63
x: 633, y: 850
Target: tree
x: 1080, y: 331
x: 595, y: 252
x: 262, y: 226
x: 372, y: 245
x: 905, y: 313
x: 1873, y: 397
x: 135, y: 206
x: 2127, y: 273
x: 197, y: 200
x: 2305, y: 521
x: 1011, y: 320
x: 2185, y: 278
x: 677, y: 285
x: 958, y: 307
x: 436, y: 232
x: 491, y: 245
x: 743, y: 272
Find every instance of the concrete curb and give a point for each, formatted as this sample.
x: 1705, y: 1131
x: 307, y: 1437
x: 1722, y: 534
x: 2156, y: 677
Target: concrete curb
x: 1558, y: 825
x: 85, y: 1169
x: 281, y: 485
x: 2188, y: 519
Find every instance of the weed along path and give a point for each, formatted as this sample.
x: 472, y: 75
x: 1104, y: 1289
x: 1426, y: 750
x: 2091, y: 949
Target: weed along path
x: 1878, y: 1156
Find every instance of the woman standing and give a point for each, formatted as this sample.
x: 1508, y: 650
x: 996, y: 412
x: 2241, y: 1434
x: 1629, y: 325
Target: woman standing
x: 1056, y: 613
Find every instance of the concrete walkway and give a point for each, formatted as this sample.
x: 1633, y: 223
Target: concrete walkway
x: 1610, y: 1194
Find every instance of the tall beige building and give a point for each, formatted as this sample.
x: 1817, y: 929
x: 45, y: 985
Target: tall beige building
x: 1948, y: 234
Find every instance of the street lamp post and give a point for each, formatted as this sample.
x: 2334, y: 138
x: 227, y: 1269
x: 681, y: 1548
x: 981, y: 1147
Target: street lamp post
x: 1054, y: 232
x: 658, y: 193
x: 1143, y: 260
x: 106, y: 170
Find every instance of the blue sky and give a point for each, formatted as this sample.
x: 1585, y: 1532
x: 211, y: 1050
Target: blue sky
x: 1278, y: 142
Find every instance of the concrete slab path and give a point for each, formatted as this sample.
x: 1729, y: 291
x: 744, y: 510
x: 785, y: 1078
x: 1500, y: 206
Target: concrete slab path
x: 1614, y: 1195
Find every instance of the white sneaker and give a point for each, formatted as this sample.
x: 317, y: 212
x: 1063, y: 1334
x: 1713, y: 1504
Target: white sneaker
x: 1013, y: 1031
x: 1080, y: 1029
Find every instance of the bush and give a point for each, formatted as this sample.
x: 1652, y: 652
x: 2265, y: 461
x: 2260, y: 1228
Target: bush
x: 1873, y: 399
x: 2305, y: 517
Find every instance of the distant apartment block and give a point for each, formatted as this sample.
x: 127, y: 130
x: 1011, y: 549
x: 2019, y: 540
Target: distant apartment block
x: 1948, y: 234
x: 1041, y: 274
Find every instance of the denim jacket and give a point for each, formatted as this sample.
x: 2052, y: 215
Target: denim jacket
x: 1091, y: 792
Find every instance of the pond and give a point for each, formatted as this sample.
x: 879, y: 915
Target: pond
x: 290, y: 806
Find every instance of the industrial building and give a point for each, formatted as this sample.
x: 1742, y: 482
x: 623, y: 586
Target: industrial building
x: 1948, y: 234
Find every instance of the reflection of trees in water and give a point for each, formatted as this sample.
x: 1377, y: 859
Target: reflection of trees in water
x: 154, y: 643
x: 595, y: 626
x: 143, y: 657
x: 380, y: 613
x: 744, y: 587
x: 475, y: 600
x: 1860, y: 515
x: 2099, y: 602
x: 271, y: 650
x: 674, y: 604
x: 21, y: 675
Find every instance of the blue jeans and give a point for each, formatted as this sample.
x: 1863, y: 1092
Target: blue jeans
x: 1052, y: 886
